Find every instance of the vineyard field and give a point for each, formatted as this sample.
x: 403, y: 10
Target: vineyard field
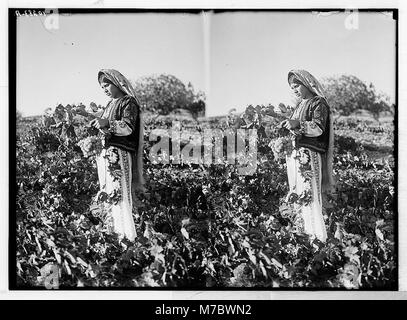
x: 204, y: 226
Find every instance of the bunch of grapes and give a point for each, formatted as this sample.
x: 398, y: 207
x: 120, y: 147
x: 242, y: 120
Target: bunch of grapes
x: 282, y: 147
x: 91, y: 146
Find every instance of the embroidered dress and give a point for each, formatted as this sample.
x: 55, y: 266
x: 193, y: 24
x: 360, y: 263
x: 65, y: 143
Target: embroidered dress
x: 120, y: 217
x: 301, y: 157
x: 309, y: 167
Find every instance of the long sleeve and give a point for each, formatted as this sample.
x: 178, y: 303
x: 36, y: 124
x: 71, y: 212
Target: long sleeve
x: 127, y: 123
x: 317, y: 125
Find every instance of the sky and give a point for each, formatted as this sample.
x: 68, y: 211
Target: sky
x: 236, y: 58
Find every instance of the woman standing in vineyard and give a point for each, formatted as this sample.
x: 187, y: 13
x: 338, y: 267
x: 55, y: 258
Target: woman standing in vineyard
x: 309, y: 167
x: 120, y: 163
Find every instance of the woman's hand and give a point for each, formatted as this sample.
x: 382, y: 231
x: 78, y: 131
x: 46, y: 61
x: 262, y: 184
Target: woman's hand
x: 290, y: 124
x: 99, y: 123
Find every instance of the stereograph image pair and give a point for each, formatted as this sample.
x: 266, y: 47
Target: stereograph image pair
x: 205, y: 150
